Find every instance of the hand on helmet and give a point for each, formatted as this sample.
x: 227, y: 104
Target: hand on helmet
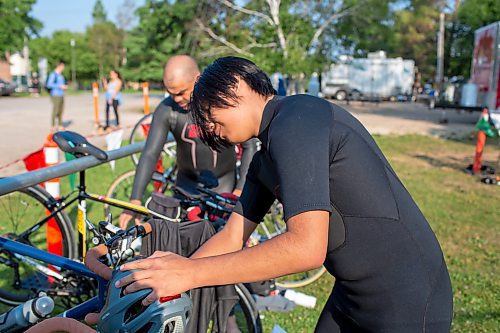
x: 165, y: 272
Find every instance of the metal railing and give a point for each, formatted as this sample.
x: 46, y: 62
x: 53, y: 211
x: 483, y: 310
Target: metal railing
x: 14, y: 183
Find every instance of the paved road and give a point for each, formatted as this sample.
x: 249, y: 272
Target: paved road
x: 406, y: 118
x: 25, y: 121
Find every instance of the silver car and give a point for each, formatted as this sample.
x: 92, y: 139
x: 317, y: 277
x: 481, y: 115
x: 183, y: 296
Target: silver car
x: 7, y: 88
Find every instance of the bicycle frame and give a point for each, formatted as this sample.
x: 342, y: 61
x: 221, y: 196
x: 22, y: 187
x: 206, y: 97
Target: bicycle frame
x: 78, y: 312
x: 83, y: 224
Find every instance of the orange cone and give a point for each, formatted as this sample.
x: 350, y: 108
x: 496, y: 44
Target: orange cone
x: 480, y: 142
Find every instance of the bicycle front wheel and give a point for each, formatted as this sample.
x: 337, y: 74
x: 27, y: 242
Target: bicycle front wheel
x: 20, y: 211
x: 245, y: 312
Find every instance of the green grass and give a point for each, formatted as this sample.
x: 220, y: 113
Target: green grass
x: 462, y: 211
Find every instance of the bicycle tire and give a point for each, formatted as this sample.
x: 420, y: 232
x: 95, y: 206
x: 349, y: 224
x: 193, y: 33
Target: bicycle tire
x: 274, y: 225
x: 300, y: 279
x: 246, y: 312
x: 32, y: 202
x: 138, y: 135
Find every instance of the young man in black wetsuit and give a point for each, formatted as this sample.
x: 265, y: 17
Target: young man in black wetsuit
x: 193, y: 156
x: 343, y: 204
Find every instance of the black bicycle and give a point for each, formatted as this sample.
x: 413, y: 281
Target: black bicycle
x: 25, y: 278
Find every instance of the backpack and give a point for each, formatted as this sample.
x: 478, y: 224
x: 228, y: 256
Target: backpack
x: 49, y: 90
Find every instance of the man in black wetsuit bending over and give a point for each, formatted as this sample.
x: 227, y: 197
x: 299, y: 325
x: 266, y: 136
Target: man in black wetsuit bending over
x: 344, y: 207
x: 193, y: 156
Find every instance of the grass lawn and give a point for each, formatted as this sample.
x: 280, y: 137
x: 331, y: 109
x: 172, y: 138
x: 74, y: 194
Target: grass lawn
x: 463, y: 212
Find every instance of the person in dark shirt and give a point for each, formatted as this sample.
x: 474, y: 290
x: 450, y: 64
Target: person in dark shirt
x: 344, y: 207
x: 193, y: 156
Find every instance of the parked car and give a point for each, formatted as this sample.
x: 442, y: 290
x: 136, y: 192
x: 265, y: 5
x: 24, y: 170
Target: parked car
x: 7, y: 88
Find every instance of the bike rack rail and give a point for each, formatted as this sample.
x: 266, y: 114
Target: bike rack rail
x: 14, y: 183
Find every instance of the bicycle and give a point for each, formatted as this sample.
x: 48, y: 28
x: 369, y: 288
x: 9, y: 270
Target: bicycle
x: 28, y: 278
x: 117, y: 249
x: 272, y: 225
x: 30, y: 204
x: 40, y: 261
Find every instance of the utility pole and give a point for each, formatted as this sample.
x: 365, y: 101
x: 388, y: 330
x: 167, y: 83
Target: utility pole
x: 73, y: 64
x: 440, y: 55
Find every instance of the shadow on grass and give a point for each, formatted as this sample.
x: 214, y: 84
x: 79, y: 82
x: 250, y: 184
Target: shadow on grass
x: 476, y: 317
x: 454, y: 163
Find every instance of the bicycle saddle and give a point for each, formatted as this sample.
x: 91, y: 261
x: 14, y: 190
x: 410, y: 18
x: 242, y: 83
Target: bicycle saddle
x: 74, y: 143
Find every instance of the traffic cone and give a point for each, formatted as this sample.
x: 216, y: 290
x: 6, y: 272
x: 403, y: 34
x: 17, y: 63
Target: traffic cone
x: 54, y: 236
x: 480, y: 142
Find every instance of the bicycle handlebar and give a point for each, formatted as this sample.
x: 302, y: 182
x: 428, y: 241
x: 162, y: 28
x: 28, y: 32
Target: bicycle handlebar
x: 93, y: 255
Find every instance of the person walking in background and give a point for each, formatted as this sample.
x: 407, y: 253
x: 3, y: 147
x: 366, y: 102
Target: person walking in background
x: 56, y: 85
x: 113, y: 95
x: 313, y: 88
x: 35, y: 85
x: 278, y: 83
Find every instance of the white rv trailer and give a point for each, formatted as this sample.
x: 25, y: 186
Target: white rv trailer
x: 376, y: 76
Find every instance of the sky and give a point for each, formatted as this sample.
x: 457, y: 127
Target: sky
x: 73, y: 15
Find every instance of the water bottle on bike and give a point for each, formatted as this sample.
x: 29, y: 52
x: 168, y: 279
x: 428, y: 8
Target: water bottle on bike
x: 26, y: 314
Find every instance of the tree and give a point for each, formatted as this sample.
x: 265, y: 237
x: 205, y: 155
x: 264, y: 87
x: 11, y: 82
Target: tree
x: 16, y: 24
x: 289, y: 36
x: 125, y: 16
x: 369, y: 28
x: 106, y: 41
x: 416, y: 28
x: 164, y: 29
x: 98, y: 13
x: 472, y: 14
x: 58, y: 47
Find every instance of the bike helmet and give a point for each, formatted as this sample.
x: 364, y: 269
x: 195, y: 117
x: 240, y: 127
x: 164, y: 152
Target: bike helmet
x: 126, y: 314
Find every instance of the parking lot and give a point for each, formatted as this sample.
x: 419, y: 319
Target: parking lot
x: 25, y: 121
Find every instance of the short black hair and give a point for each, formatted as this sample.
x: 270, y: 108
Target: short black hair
x: 214, y: 88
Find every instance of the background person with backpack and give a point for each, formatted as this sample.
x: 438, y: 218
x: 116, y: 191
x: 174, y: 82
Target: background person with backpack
x: 56, y: 85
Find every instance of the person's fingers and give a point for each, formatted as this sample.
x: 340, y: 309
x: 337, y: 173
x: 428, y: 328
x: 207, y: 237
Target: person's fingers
x: 136, y: 264
x: 151, y: 298
x: 139, y: 285
x: 92, y: 318
x: 123, y: 220
x: 133, y: 278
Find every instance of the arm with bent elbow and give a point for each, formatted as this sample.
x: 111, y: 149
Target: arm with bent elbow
x: 154, y: 144
x: 301, y: 248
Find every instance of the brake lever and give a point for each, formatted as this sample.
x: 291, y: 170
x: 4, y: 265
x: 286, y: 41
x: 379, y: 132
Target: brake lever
x: 120, y: 245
